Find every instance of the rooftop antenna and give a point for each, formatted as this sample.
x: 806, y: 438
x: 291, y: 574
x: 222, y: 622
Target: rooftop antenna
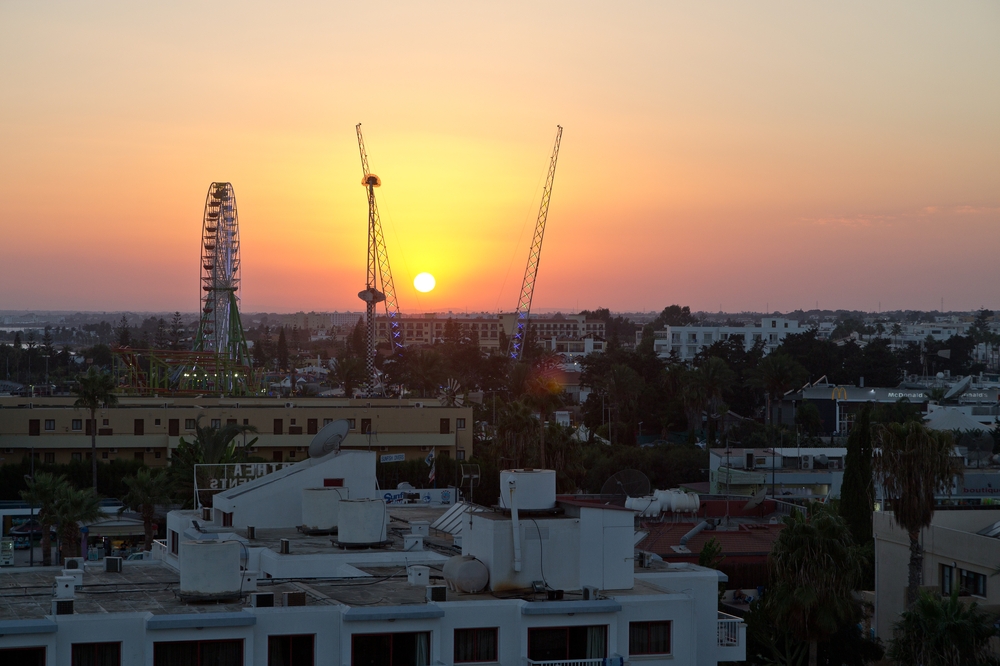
x: 470, y: 473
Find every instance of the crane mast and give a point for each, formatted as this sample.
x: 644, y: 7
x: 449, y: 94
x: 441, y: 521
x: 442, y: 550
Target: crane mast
x: 378, y: 283
x: 516, y: 346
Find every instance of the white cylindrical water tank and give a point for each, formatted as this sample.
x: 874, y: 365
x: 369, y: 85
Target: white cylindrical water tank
x: 648, y: 507
x: 535, y: 489
x: 210, y: 570
x: 694, y: 502
x: 321, y: 508
x: 464, y: 573
x: 361, y: 522
x: 663, y: 496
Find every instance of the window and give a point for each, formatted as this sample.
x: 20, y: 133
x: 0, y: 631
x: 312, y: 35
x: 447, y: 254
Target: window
x: 366, y: 426
x: 774, y: 323
x: 33, y: 427
x: 138, y: 455
x: 216, y: 423
x: 77, y: 424
x: 76, y: 456
x: 157, y: 455
x: 97, y: 654
x: 445, y: 426
x: 104, y: 455
x: 947, y: 579
x: 472, y: 645
x: 562, y: 643
x: 246, y: 421
x: 189, y: 424
x: 402, y: 649
x: 174, y: 542
x: 291, y: 454
x: 156, y: 421
x: 290, y: 650
x: 648, y: 638
x: 173, y: 427
x: 279, y: 427
x: 459, y: 424
x: 198, y: 653
x: 139, y: 427
x: 104, y: 422
x: 312, y: 426
x: 460, y: 454
x: 50, y: 424
x: 50, y: 458
x: 27, y: 656
x: 329, y: 421
x: 972, y: 583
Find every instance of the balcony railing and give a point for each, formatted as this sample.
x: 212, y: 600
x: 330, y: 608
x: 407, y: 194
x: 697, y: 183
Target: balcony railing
x: 729, y: 630
x: 568, y: 662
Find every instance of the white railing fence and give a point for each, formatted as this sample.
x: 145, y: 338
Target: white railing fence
x: 568, y: 662
x: 729, y: 630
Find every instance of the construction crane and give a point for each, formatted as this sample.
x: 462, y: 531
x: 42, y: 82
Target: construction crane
x: 378, y: 286
x: 516, y: 344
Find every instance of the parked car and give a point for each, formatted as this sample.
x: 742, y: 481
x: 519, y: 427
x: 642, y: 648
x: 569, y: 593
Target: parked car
x: 31, y: 528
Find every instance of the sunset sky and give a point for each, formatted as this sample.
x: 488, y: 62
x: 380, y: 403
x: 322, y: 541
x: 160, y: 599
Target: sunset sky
x: 720, y: 155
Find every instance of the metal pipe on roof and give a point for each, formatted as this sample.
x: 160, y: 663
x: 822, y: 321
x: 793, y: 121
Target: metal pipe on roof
x: 697, y: 528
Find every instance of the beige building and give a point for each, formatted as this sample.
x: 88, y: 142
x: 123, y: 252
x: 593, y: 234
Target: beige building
x: 148, y: 429
x: 563, y: 333
x: 961, y: 550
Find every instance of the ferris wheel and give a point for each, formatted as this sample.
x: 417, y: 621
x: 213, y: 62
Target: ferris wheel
x: 220, y: 329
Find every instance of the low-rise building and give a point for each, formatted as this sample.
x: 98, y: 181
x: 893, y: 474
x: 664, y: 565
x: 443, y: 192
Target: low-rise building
x: 782, y: 471
x: 686, y: 341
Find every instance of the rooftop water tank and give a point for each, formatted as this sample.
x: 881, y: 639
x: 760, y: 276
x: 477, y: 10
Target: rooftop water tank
x: 535, y: 489
x: 648, y: 507
x: 361, y: 522
x: 210, y: 570
x: 464, y: 573
x: 321, y: 508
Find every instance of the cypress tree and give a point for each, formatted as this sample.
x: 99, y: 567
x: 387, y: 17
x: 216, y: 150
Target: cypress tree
x: 857, y: 493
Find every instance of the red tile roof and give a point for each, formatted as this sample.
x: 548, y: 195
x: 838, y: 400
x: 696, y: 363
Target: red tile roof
x: 755, y: 539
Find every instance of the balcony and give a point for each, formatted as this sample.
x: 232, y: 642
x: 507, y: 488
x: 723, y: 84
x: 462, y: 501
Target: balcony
x: 568, y: 662
x: 732, y: 638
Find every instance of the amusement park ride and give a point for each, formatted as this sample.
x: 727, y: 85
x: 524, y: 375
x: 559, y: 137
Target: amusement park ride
x: 219, y: 362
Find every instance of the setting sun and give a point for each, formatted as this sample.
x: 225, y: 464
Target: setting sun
x: 424, y: 282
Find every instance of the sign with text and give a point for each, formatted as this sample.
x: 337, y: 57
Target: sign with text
x: 210, y: 479
x: 392, y: 457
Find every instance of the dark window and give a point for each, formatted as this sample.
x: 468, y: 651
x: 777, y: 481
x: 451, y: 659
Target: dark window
x: 561, y: 643
x: 312, y: 426
x: 972, y: 583
x: 105, y: 422
x: 174, y: 542
x: 198, y: 653
x: 459, y: 424
x: 290, y: 650
x: 350, y: 423
x: 246, y: 421
x: 50, y: 458
x: 230, y: 421
x: 76, y: 456
x: 327, y: 421
x: 649, y: 638
x: 140, y: 427
x: 97, y: 654
x: 292, y: 421
x: 402, y: 649
x: 216, y: 423
x: 460, y: 455
x: 28, y: 656
x: 50, y: 424
x: 174, y: 427
x: 104, y: 455
x: 473, y: 645
x: 189, y: 424
x: 445, y: 426
x: 279, y: 427
x: 276, y: 456
x: 34, y: 427
x: 138, y: 455
x: 91, y: 424
x: 77, y: 424
x: 366, y: 426
x: 156, y: 421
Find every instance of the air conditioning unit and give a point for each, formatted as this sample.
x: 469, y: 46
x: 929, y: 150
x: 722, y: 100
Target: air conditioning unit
x: 113, y: 450
x: 262, y: 599
x: 418, y: 404
x: 807, y: 462
x: 113, y: 564
x: 8, y: 450
x: 289, y: 405
x: 206, y: 514
x: 74, y: 563
x: 590, y: 592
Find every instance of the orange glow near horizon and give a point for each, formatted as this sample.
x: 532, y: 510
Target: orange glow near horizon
x: 721, y: 156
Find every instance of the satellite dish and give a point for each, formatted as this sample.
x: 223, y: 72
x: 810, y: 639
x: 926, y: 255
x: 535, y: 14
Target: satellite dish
x: 960, y: 387
x: 328, y: 439
x: 756, y: 499
x: 626, y: 483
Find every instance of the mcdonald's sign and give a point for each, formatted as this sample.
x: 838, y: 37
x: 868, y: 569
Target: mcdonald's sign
x: 838, y: 393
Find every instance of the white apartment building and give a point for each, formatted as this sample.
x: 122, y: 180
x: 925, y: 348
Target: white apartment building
x: 310, y: 565
x: 687, y: 341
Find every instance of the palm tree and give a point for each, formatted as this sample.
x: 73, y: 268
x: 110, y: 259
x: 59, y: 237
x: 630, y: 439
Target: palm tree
x: 350, y: 371
x: 716, y: 377
x: 145, y: 491
x: 943, y: 632
x: 694, y: 396
x: 816, y: 568
x: 913, y: 464
x: 777, y: 374
x: 71, y: 508
x: 95, y: 389
x: 623, y: 386
x: 44, y: 489
x: 211, y: 446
